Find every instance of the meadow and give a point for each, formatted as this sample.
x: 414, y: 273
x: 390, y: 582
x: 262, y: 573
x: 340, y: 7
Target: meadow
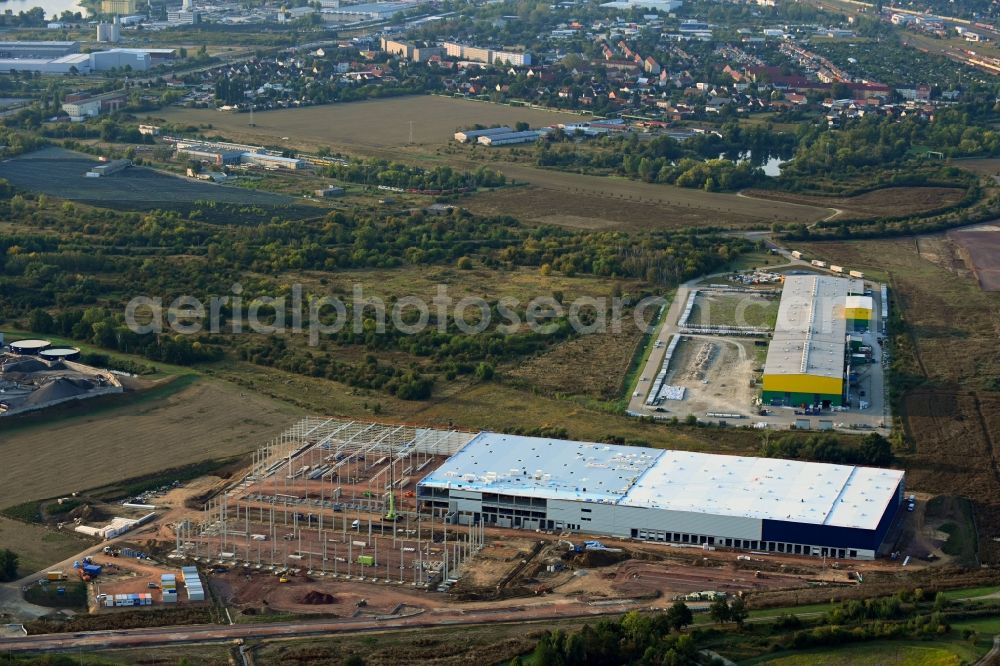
x: 381, y: 129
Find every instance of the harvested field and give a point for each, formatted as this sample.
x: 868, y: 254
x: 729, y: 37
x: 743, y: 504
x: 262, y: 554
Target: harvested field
x: 596, y: 202
x: 980, y: 247
x: 60, y: 173
x: 206, y: 420
x: 588, y: 202
x: 948, y: 354
x: 435, y: 121
x: 985, y: 166
x: 887, y: 202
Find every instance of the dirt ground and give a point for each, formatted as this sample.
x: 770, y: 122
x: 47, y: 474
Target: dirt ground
x: 941, y: 250
x: 890, y: 201
x: 208, y: 419
x: 716, y: 373
x: 128, y: 576
x: 495, y: 561
x: 637, y: 578
x: 979, y: 246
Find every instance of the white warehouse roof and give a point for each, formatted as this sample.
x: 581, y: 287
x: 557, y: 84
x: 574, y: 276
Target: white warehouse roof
x: 862, y: 302
x: 809, y: 334
x: 758, y: 488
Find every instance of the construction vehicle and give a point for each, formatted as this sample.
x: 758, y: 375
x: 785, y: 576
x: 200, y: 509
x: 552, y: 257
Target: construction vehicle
x: 391, y: 514
x: 282, y: 580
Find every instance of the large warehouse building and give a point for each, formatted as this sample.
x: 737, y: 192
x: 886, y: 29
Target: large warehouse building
x: 772, y: 505
x: 806, y: 358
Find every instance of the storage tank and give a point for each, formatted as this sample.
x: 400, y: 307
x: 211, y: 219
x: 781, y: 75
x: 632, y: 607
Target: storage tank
x: 29, y: 347
x: 60, y: 354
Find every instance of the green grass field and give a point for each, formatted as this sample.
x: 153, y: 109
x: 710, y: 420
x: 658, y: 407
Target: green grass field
x: 711, y: 309
x: 897, y: 653
x: 74, y: 594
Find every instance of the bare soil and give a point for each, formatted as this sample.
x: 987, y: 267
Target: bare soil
x: 979, y: 246
x: 717, y: 381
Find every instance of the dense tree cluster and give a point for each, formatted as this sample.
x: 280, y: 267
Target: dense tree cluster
x: 874, y: 449
x: 712, y: 161
x: 634, y: 639
x: 71, y: 276
x: 403, y: 176
x: 8, y: 565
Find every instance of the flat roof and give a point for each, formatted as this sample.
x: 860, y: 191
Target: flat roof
x: 6, y: 45
x: 767, y: 488
x: 863, y: 302
x: 739, y: 486
x: 72, y: 58
x: 540, y: 467
x: 809, y: 334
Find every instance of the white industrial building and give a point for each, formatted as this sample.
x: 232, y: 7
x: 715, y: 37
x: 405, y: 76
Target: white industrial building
x: 471, y: 135
x: 511, y: 138
x: 45, y: 50
x: 705, y: 500
x: 65, y: 57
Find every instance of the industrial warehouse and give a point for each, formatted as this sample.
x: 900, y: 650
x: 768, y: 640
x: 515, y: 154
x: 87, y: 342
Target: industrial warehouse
x: 330, y: 491
x: 784, y: 506
x: 807, y: 358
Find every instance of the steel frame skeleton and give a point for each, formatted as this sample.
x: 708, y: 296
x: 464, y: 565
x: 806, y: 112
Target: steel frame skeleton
x: 272, y: 518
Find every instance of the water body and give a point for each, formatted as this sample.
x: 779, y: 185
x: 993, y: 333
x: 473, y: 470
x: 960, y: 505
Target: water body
x: 771, y: 165
x: 51, y: 7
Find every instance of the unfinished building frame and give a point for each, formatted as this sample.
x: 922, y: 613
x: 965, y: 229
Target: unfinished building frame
x: 336, y: 497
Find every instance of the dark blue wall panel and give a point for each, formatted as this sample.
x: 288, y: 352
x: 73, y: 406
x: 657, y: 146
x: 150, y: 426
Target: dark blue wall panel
x: 826, y: 535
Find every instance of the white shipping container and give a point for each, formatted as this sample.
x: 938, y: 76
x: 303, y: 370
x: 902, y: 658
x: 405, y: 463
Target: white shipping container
x: 857, y: 274
x: 360, y: 544
x: 836, y: 269
x: 796, y: 254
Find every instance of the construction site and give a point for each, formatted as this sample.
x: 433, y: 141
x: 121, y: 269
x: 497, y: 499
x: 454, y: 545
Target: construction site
x: 337, y: 498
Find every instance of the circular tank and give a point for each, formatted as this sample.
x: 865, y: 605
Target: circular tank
x: 61, y: 354
x: 29, y: 347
